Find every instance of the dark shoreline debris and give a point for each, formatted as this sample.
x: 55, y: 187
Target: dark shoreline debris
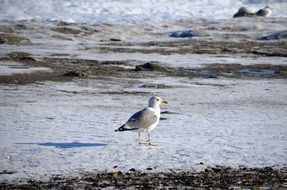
x: 210, y: 178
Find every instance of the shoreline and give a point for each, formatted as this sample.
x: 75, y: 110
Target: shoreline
x: 211, y: 177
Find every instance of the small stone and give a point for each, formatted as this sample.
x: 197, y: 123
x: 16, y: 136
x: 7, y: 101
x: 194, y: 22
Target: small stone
x: 132, y: 170
x: 115, y: 40
x: 157, y: 86
x: 21, y: 27
x: 75, y: 74
x: 150, y: 66
x: 8, y: 172
x: 217, y: 169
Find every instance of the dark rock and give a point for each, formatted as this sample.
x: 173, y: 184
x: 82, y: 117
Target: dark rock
x: 150, y: 66
x: 76, y: 73
x: 85, y: 28
x: 7, y: 172
x: 2, y: 40
x: 217, y: 169
x: 115, y: 40
x: 89, y: 30
x: 149, y: 168
x: 157, y: 86
x: 132, y: 170
x: 21, y: 27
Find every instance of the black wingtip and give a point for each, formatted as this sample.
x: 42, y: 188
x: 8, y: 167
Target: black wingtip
x: 122, y: 128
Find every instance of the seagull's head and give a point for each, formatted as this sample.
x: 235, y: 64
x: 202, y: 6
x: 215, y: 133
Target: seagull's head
x: 242, y: 10
x: 267, y: 7
x: 156, y: 101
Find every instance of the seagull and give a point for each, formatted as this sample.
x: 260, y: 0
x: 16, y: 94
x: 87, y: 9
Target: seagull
x: 266, y: 12
x: 144, y: 120
x: 243, y: 11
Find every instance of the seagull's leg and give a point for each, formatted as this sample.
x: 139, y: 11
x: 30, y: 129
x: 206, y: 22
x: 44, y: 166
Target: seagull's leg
x: 149, y: 139
x: 148, y: 135
x: 139, y: 137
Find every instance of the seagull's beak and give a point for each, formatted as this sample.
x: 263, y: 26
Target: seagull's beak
x: 164, y: 101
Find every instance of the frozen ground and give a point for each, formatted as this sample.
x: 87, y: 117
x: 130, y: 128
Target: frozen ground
x: 67, y: 127
x: 59, y: 128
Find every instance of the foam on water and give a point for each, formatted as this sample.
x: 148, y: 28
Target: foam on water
x: 129, y: 10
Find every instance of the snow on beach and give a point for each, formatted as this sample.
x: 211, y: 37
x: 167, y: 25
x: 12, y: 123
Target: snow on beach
x: 222, y: 117
x: 48, y: 130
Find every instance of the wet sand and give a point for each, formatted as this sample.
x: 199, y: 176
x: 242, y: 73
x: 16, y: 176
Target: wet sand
x: 64, y: 69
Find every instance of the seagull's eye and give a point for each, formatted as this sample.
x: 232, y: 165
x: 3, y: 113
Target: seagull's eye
x: 157, y: 99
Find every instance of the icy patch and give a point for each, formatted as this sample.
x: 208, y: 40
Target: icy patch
x: 10, y: 68
x: 281, y: 35
x: 184, y: 34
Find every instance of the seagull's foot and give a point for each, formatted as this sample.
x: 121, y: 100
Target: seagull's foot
x: 147, y: 143
x: 150, y: 144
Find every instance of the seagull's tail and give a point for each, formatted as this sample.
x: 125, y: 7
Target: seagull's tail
x: 124, y: 128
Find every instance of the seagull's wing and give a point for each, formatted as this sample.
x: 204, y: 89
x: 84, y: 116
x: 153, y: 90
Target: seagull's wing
x: 142, y: 119
x: 260, y: 12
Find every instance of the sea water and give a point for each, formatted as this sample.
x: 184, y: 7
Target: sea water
x: 130, y: 10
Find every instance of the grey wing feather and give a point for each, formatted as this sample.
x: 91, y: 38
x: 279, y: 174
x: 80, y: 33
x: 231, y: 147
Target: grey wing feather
x: 142, y: 119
